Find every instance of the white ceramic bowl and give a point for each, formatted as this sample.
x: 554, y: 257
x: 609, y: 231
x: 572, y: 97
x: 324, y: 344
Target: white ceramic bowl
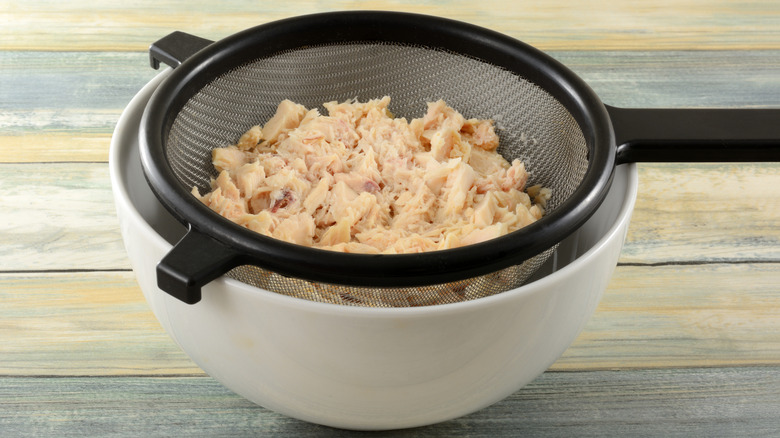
x: 365, y: 368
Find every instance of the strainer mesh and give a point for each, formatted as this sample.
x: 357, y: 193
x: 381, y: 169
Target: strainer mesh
x: 532, y: 125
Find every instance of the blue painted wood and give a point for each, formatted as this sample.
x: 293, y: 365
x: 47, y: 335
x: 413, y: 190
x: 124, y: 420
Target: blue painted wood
x: 721, y: 402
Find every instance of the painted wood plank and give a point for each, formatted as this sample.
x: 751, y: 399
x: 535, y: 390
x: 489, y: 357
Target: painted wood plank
x: 55, y: 146
x: 683, y: 316
x: 70, y: 307
x: 557, y: 24
x: 663, y: 79
x: 60, y: 216
x: 97, y: 323
x: 92, y: 81
x: 719, y: 402
x: 64, y: 106
x: 705, y: 212
x: 82, y: 323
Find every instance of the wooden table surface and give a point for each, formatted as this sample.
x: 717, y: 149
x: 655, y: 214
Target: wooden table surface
x: 685, y: 342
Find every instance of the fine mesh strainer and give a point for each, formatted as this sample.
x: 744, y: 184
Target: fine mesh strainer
x: 545, y: 115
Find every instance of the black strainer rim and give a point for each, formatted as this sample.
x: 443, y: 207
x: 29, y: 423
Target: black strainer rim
x: 216, y: 244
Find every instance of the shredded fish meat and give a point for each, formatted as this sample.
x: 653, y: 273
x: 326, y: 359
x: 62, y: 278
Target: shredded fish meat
x: 363, y: 181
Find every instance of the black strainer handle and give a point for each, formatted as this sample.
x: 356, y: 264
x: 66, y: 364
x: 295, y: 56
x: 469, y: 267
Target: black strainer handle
x: 196, y: 259
x: 193, y: 262
x: 696, y: 135
x: 175, y: 48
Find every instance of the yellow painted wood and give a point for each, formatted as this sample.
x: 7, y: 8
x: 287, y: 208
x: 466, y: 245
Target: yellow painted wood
x: 82, y: 323
x: 683, y: 316
x: 713, y: 212
x: 49, y: 147
x: 555, y: 24
x: 97, y: 323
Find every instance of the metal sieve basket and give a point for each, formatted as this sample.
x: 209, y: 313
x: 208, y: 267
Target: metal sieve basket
x: 544, y: 114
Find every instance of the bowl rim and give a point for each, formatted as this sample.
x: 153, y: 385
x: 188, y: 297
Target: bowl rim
x: 120, y: 141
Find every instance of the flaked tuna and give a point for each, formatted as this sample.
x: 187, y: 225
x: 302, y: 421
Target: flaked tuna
x: 361, y: 180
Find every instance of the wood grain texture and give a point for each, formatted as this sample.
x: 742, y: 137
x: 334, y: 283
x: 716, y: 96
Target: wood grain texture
x: 685, y: 341
x: 58, y: 216
x: 61, y: 216
x: 55, y: 146
x: 64, y: 106
x: 735, y: 402
x: 82, y: 323
x: 97, y: 323
x: 557, y: 24
x: 662, y: 79
x: 706, y: 213
x: 683, y: 316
